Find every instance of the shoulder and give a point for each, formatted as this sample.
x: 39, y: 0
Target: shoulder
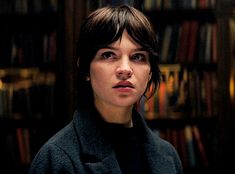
x: 51, y: 158
x: 166, y: 153
x: 59, y: 152
x: 163, y: 145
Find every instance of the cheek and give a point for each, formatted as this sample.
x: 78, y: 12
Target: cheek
x: 95, y: 74
x: 143, y: 78
x: 98, y: 76
x: 145, y: 75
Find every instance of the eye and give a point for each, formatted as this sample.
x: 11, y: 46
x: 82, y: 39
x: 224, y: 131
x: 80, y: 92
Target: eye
x: 140, y: 57
x: 108, y: 55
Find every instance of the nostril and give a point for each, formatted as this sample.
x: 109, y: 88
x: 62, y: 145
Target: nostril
x: 124, y: 74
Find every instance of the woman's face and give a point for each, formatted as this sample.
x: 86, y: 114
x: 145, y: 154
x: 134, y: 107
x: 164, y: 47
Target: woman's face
x: 119, y: 73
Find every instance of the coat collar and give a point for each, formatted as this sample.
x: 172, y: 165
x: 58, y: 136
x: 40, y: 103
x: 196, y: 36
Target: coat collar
x: 97, y: 153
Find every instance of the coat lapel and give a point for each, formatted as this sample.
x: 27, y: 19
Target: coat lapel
x: 154, y: 149
x: 96, y: 152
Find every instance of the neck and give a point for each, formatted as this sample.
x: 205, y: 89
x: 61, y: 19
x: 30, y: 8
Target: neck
x: 113, y: 114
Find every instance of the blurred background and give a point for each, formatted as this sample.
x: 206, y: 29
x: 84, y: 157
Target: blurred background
x: 194, y: 107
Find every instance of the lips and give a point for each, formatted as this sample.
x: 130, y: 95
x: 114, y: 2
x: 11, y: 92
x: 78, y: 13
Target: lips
x: 124, y: 84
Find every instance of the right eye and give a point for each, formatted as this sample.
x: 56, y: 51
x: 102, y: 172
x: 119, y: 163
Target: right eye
x: 108, y: 55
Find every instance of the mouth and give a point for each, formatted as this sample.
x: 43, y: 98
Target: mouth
x: 120, y: 86
x: 124, y: 84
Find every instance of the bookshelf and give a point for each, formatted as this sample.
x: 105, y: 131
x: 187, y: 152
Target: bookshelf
x: 29, y: 85
x: 204, y: 54
x: 189, y: 33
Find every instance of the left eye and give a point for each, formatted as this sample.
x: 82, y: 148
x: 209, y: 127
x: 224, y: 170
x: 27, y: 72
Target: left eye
x: 139, y: 57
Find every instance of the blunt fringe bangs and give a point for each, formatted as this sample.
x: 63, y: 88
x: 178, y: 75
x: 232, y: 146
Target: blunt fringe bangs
x: 105, y: 26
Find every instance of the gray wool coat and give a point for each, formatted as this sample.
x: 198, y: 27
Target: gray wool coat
x: 81, y: 148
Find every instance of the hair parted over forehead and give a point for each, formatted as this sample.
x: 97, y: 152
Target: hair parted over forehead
x: 105, y: 26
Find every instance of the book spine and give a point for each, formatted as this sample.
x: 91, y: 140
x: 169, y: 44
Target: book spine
x: 190, y: 146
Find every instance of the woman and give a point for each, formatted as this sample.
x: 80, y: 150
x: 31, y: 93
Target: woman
x: 117, y: 65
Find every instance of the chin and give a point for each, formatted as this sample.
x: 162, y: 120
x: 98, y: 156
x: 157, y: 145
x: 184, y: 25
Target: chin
x: 125, y: 104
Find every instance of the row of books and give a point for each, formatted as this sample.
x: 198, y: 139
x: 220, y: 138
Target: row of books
x: 183, y: 4
x: 28, y: 49
x: 23, y: 139
x: 188, y: 143
x: 188, y: 42
x: 16, y: 149
x: 27, y: 97
x: 181, y: 93
x: 28, y: 6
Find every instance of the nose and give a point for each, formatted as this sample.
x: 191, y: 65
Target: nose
x: 124, y: 70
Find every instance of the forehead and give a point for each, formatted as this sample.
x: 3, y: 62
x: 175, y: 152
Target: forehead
x: 124, y: 40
